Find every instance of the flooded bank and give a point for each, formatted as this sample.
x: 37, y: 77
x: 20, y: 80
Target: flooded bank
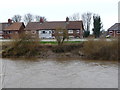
x: 59, y: 74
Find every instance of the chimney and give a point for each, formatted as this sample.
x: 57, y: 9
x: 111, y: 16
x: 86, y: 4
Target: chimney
x: 67, y: 19
x: 9, y: 21
x: 41, y: 20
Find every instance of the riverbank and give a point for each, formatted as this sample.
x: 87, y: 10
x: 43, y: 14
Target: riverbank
x: 45, y: 51
x: 93, y: 50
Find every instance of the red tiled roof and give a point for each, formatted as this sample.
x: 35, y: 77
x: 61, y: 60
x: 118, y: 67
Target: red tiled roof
x: 14, y: 26
x: 116, y: 26
x: 53, y: 25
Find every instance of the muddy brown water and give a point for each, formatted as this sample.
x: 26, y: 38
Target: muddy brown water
x: 61, y: 73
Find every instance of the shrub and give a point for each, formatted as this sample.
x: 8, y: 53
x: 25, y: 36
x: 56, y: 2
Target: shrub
x: 25, y: 45
x: 86, y: 33
x: 66, y: 48
x: 103, y: 50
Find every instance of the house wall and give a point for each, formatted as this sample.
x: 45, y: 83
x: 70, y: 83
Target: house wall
x: 0, y: 26
x: 73, y: 33
x: 1, y: 31
x: 114, y: 33
x: 48, y: 34
x: 21, y: 29
x: 3, y: 26
x: 45, y: 33
x: 11, y: 34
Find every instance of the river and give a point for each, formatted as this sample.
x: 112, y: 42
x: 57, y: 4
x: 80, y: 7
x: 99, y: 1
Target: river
x: 59, y: 74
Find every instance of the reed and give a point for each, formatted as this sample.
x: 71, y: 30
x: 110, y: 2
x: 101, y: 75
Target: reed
x: 101, y: 50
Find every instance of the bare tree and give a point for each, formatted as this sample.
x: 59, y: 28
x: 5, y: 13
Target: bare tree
x: 37, y: 18
x: 28, y: 18
x: 75, y: 17
x: 60, y: 35
x: 86, y: 18
x: 44, y: 18
x: 16, y: 18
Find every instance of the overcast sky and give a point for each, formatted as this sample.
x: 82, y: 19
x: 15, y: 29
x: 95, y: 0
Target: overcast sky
x: 55, y: 10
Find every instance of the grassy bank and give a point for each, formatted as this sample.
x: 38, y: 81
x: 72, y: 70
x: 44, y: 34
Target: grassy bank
x: 55, y: 43
x: 93, y: 50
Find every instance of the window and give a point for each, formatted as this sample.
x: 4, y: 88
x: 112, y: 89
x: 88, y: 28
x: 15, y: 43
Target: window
x: 50, y: 32
x: 71, y: 36
x: 9, y: 32
x: 78, y: 31
x: 33, y: 32
x: 118, y: 32
x: 111, y: 32
x: 43, y: 32
x: 70, y: 31
x: 60, y: 32
x: 53, y: 31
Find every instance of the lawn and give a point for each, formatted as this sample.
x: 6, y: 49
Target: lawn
x: 54, y: 42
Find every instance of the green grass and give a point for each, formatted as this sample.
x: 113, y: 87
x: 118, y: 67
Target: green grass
x: 55, y: 43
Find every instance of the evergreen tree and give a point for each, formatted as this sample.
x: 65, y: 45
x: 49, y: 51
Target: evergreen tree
x: 97, y: 25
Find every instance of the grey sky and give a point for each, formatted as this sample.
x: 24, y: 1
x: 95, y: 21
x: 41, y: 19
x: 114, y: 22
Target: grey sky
x: 55, y: 10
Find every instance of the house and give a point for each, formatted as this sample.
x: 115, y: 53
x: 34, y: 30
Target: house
x: 47, y: 29
x: 13, y: 30
x: 3, y: 26
x: 114, y: 30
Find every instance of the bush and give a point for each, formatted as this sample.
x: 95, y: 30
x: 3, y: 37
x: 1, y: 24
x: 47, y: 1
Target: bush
x: 66, y: 48
x: 24, y: 46
x: 86, y: 33
x: 101, y: 50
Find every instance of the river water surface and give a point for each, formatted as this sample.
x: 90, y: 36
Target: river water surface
x: 59, y: 74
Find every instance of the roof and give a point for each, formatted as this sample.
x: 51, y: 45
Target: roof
x: 4, y: 25
x: 14, y: 26
x: 116, y: 26
x: 53, y: 25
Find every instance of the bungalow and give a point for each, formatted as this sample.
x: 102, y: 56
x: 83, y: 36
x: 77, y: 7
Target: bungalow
x: 114, y: 30
x: 47, y: 29
x: 13, y: 30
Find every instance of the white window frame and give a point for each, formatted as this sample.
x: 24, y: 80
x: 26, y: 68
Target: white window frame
x: 9, y: 32
x: 50, y: 32
x: 110, y: 32
x: 118, y: 31
x: 43, y: 31
x: 70, y: 31
x: 77, y: 31
x: 71, y: 36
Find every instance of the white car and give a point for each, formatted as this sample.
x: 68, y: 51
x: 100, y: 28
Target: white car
x: 108, y: 36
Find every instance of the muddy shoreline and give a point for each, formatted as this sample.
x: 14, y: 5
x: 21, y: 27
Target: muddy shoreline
x: 93, y: 50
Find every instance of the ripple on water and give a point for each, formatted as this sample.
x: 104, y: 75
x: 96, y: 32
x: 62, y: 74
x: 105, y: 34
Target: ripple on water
x: 63, y: 74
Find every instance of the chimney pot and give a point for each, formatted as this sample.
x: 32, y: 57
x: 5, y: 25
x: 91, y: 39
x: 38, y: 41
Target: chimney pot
x: 9, y: 21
